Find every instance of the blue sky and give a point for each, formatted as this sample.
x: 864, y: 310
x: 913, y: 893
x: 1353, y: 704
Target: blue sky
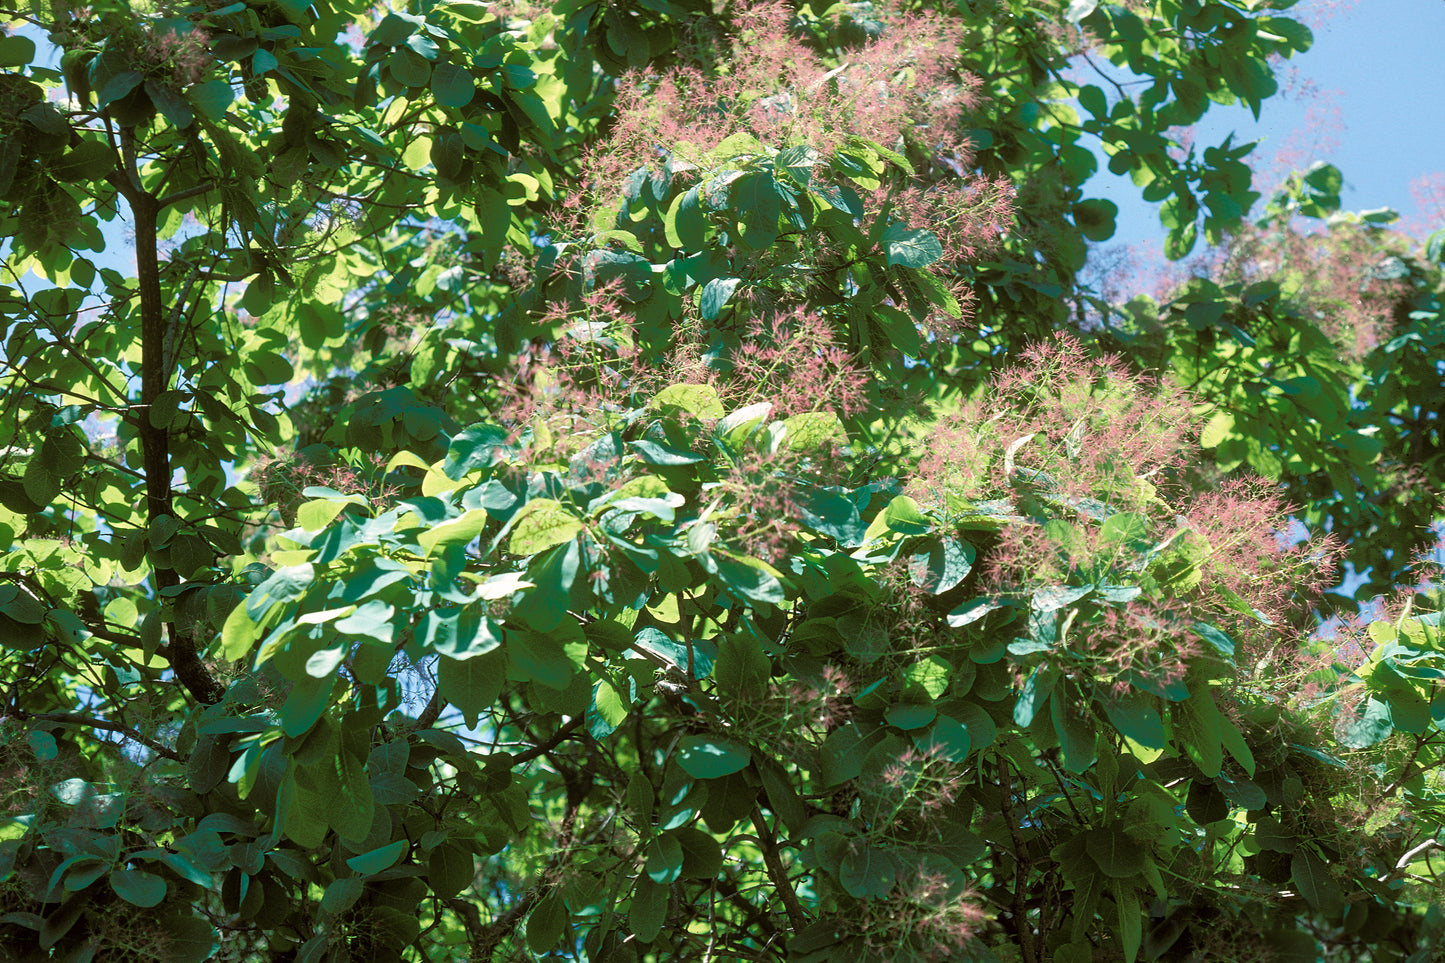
x: 1377, y: 68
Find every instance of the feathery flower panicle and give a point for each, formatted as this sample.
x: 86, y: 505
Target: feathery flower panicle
x: 1098, y: 465
x: 899, y: 87
x: 927, y: 918
x: 899, y: 90
x: 1329, y: 274
x: 1244, y: 524
x: 283, y: 476
x: 184, y: 57
x: 795, y: 361
x: 1060, y: 421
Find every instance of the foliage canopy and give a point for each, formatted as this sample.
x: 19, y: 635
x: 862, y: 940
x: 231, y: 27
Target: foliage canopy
x: 654, y: 480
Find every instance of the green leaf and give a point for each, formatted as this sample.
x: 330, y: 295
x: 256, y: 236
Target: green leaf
x: 1222, y: 643
x: 910, y: 247
x: 910, y: 716
x: 89, y: 160
x: 867, y: 871
x: 352, y: 806
x: 1116, y: 854
x: 1076, y: 733
x: 305, y: 703
x: 1180, y: 241
x: 341, y: 895
x: 1035, y: 692
x: 653, y: 453
x: 632, y: 271
x: 648, y: 910
x: 1313, y: 880
x: 117, y: 86
x: 702, y: 856
x: 552, y: 572
x: 409, y: 68
x: 1291, y: 33
x: 16, y: 50
x: 473, y: 684
x: 741, y: 421
x: 1369, y: 727
x: 1131, y: 921
x: 1124, y: 528
x: 743, y: 668
x: 715, y: 294
x: 453, y: 86
x: 607, y: 711
x: 457, y: 531
x: 1218, y: 429
x: 1051, y: 598
x: 1199, y: 728
x: 1135, y: 716
x: 541, y: 658
x: 946, y: 563
x: 283, y: 585
x: 947, y: 737
x: 686, y: 225
x: 699, y: 400
x: 372, y: 619
x: 930, y: 674
x: 973, y: 610
x: 138, y: 887
x: 170, y: 103
x: 904, y: 517
x: 383, y: 857
x: 1095, y: 219
x: 664, y: 859
x: 783, y: 799
x: 546, y: 923
x: 1205, y: 804
x: 478, y: 446
x: 747, y: 578
x: 212, y: 98
x: 450, y: 869
x: 708, y: 757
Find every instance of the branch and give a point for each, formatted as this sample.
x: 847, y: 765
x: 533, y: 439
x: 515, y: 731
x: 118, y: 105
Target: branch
x: 76, y: 719
x: 433, y: 710
x: 778, y: 873
x: 1025, y: 935
x: 186, y: 194
x: 1410, y: 854
x: 543, y: 748
x: 183, y: 649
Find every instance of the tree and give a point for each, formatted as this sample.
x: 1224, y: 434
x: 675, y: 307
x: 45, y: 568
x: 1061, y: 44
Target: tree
x: 648, y: 480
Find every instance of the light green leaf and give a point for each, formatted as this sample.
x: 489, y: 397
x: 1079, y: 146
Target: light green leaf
x: 539, y: 525
x: 457, y: 531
